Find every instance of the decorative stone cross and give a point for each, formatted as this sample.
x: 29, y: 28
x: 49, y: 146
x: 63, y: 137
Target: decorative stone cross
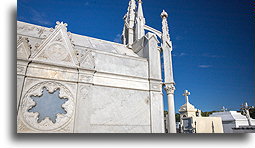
x: 224, y: 109
x: 246, y: 108
x: 186, y: 94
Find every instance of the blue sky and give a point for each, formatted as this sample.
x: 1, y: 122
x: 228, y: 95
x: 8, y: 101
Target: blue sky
x: 213, y: 41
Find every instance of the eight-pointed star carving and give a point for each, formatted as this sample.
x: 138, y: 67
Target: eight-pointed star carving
x: 48, y: 105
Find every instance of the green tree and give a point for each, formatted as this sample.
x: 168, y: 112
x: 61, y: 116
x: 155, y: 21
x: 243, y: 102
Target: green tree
x: 207, y: 114
x: 252, y: 113
x: 177, y: 116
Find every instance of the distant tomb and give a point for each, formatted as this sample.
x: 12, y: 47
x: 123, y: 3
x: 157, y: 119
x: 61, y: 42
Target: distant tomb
x: 233, y: 119
x: 191, y: 120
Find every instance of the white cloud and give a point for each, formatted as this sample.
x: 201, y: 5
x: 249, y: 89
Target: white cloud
x: 86, y: 3
x: 212, y: 55
x: 204, y: 66
x: 39, y: 17
x: 178, y: 38
x: 179, y: 54
x: 183, y: 54
x: 117, y: 38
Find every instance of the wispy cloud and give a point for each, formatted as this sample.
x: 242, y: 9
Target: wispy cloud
x: 39, y: 17
x: 179, y: 54
x: 207, y: 55
x: 204, y: 66
x: 86, y: 3
x: 117, y: 38
x: 178, y: 38
x: 212, y: 55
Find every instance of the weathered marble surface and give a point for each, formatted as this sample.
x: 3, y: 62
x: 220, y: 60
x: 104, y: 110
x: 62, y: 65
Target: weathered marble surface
x: 157, y: 113
x: 39, y: 33
x: 20, y: 80
x: 137, y: 67
x: 111, y: 87
x: 109, y: 90
x: 120, y: 129
x: 152, y: 53
x: 114, y: 108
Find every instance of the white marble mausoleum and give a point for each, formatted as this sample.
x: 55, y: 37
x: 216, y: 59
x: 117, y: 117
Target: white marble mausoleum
x: 70, y: 83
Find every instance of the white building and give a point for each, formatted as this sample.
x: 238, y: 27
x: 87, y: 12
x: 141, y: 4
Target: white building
x: 232, y: 119
x: 192, y: 122
x: 100, y: 86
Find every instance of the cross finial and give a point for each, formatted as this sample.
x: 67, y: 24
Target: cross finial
x: 186, y: 94
x: 224, y: 109
x: 246, y: 108
x: 61, y: 24
x: 246, y: 105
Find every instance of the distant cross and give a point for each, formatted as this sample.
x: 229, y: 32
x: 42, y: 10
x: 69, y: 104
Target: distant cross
x: 246, y: 109
x: 224, y: 109
x: 186, y: 94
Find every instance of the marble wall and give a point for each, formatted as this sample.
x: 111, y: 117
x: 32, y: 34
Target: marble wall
x: 107, y: 92
x: 114, y: 110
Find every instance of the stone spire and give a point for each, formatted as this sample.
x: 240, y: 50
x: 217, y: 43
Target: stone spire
x: 165, y: 30
x: 169, y: 81
x: 140, y: 22
x: 140, y: 9
x: 129, y: 22
x: 167, y: 49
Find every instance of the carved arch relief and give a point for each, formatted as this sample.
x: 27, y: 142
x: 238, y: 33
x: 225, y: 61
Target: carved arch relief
x: 23, y: 48
x: 57, y: 48
x: 31, y: 118
x: 86, y: 58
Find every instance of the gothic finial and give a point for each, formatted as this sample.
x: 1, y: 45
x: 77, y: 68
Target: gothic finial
x: 61, y: 23
x: 140, y: 9
x: 164, y: 14
x: 64, y: 25
x: 165, y: 31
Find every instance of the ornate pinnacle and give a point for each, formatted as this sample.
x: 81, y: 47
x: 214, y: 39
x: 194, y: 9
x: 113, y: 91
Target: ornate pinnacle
x: 58, y: 23
x: 164, y: 14
x: 64, y: 25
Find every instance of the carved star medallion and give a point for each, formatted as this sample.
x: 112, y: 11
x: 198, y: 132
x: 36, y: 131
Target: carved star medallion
x: 48, y: 105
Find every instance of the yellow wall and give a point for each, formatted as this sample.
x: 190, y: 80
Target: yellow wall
x: 204, y: 124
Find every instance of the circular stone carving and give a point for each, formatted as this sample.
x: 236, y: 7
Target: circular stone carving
x: 57, y: 52
x: 31, y: 118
